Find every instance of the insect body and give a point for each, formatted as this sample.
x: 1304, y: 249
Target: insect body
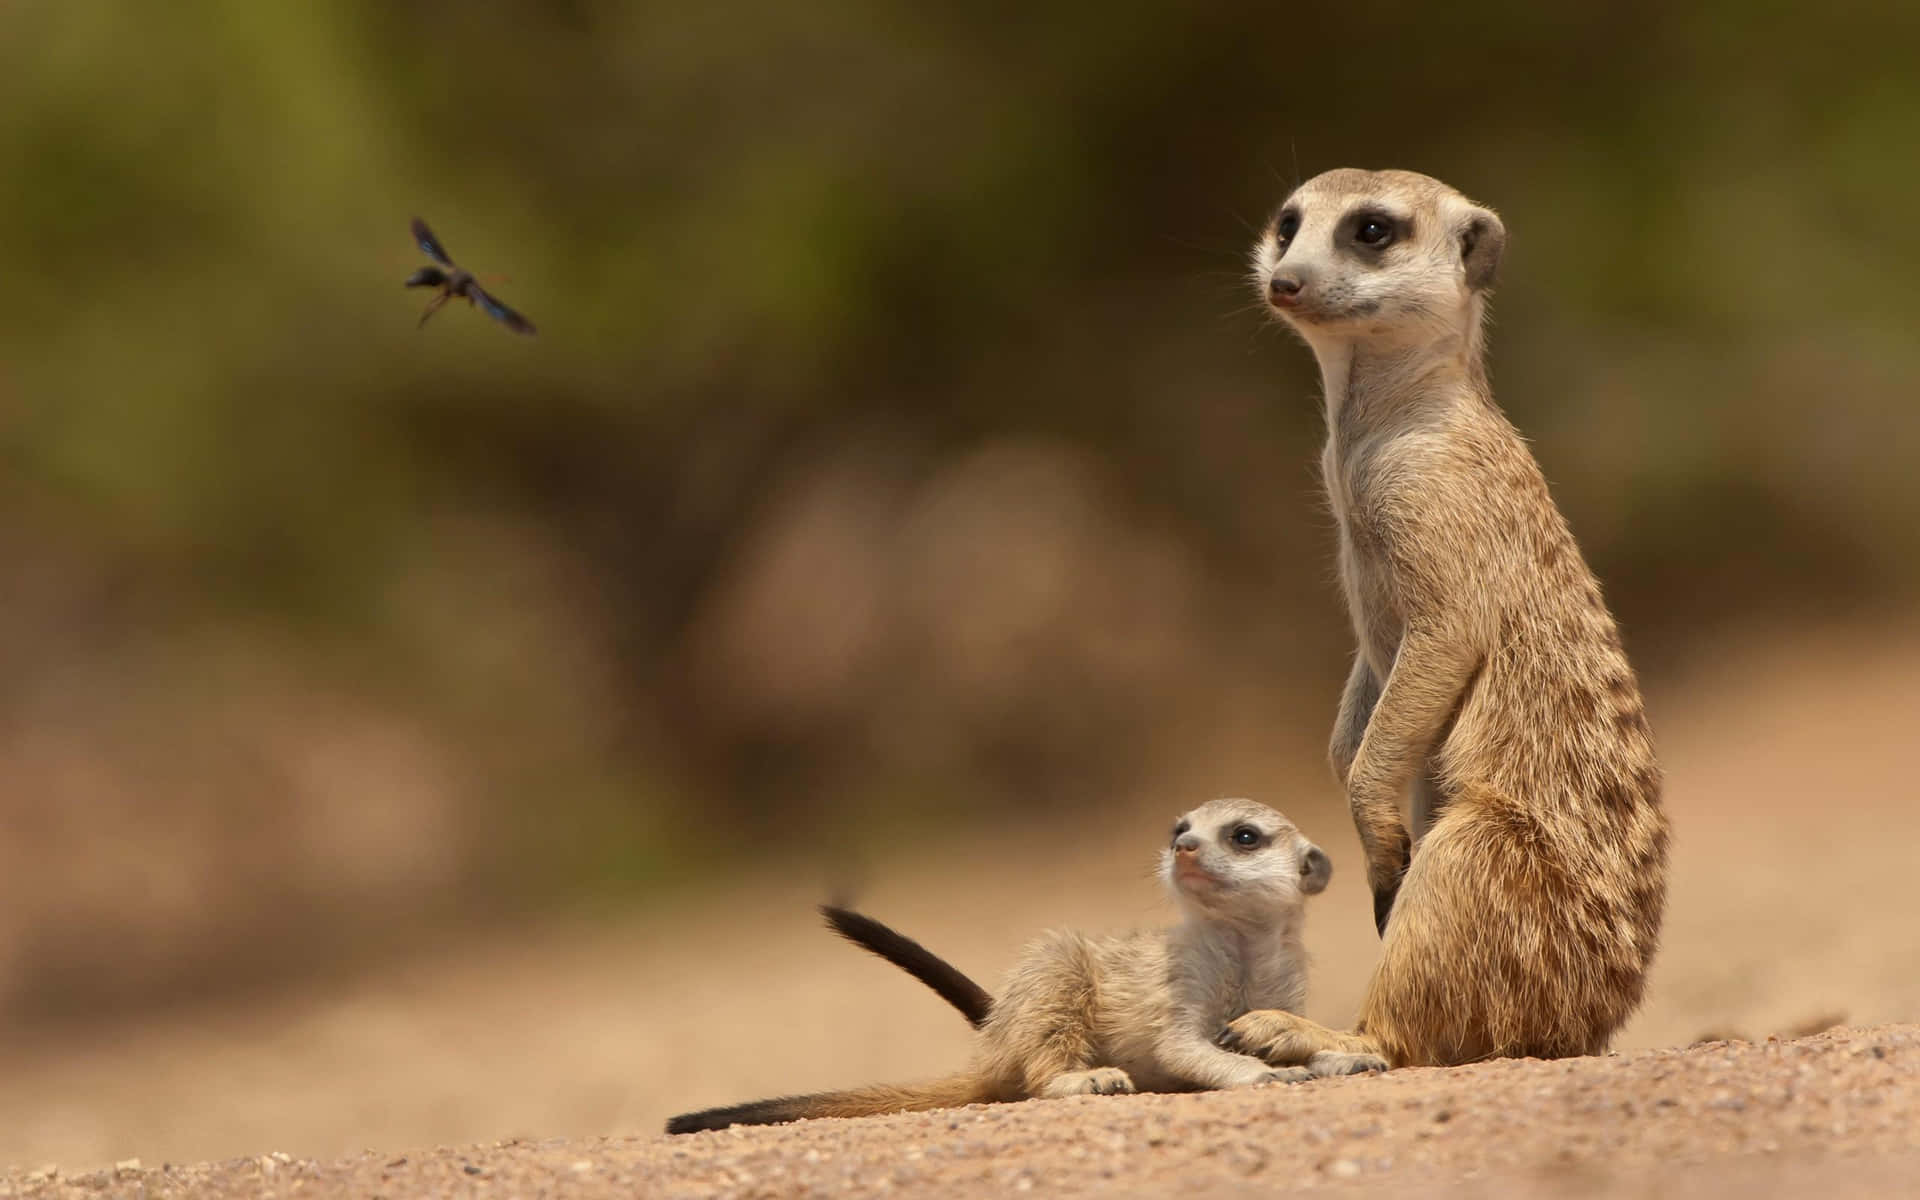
x: 457, y: 281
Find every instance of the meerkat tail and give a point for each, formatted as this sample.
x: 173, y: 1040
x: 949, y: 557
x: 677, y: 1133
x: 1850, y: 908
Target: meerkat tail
x: 974, y: 1002
x: 875, y: 1101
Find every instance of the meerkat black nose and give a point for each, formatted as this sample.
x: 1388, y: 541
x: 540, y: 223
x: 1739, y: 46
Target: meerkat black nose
x: 1186, y: 843
x: 1283, y: 287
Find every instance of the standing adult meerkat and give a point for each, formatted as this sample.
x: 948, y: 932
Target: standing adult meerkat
x: 1521, y: 914
x: 1136, y: 1012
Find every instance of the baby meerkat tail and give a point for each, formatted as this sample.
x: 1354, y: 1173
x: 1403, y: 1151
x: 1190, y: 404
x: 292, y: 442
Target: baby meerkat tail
x: 974, y: 1002
x: 874, y: 1101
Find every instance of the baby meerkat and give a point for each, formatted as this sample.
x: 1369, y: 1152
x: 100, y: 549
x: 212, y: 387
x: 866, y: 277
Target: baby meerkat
x: 1520, y: 914
x: 1138, y: 1012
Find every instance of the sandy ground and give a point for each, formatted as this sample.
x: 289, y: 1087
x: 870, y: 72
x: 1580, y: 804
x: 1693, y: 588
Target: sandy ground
x: 1791, y: 908
x: 1839, y: 1111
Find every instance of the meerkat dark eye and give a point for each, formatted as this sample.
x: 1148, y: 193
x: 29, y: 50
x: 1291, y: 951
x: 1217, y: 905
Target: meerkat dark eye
x: 1287, y: 226
x: 1245, y: 836
x: 1373, y: 232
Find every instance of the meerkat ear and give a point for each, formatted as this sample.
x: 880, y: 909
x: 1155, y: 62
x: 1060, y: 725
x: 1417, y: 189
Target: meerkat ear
x: 1482, y: 240
x: 1316, y: 870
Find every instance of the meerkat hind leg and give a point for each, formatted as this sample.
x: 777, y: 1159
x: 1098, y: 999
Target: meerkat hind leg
x: 1039, y: 1037
x: 1099, y: 1081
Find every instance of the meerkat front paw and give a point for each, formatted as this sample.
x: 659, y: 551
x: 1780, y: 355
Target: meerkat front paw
x: 1268, y: 1034
x: 1244, y: 1071
x: 1101, y: 1081
x: 1383, y: 899
x: 1340, y: 1062
x: 1386, y: 889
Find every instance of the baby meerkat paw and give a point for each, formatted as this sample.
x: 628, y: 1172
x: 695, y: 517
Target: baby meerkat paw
x: 1281, y: 1075
x: 1101, y: 1081
x: 1340, y: 1062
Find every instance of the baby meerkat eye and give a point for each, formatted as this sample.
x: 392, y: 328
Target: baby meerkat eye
x: 1373, y: 232
x: 1245, y: 836
x: 1287, y: 226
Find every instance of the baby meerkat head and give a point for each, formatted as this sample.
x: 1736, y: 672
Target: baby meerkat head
x: 1373, y: 254
x: 1236, y: 858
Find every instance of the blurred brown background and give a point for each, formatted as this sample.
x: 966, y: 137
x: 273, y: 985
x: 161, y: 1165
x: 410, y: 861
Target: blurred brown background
x: 434, y: 735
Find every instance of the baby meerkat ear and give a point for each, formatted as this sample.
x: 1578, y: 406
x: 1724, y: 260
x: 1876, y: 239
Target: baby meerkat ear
x: 1482, y: 240
x: 1316, y: 869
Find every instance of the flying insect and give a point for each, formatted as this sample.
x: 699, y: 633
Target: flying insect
x: 456, y: 281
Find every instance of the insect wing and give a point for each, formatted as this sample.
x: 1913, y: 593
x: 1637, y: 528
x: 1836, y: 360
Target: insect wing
x: 500, y: 312
x: 430, y: 243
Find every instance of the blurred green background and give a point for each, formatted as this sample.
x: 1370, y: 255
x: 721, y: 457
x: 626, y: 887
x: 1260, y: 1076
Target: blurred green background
x: 901, y: 443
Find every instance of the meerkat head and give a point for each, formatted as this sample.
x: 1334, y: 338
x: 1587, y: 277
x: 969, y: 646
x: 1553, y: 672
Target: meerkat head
x: 1356, y: 255
x: 1236, y: 858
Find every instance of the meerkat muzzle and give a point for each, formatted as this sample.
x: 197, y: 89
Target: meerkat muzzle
x: 1283, y: 290
x: 1189, y: 873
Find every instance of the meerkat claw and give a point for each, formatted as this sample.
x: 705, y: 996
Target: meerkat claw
x: 1262, y: 1035
x: 1100, y: 1081
x: 1383, y: 907
x: 1335, y: 1062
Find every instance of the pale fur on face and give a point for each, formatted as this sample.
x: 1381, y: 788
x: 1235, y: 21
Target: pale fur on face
x: 1427, y: 279
x: 1250, y: 861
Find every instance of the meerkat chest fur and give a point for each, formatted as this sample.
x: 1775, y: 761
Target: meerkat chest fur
x: 1219, y: 971
x: 1390, y: 424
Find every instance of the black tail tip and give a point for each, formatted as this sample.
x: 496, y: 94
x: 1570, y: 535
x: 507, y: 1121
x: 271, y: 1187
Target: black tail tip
x: 704, y: 1120
x: 693, y: 1122
x: 777, y: 1111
